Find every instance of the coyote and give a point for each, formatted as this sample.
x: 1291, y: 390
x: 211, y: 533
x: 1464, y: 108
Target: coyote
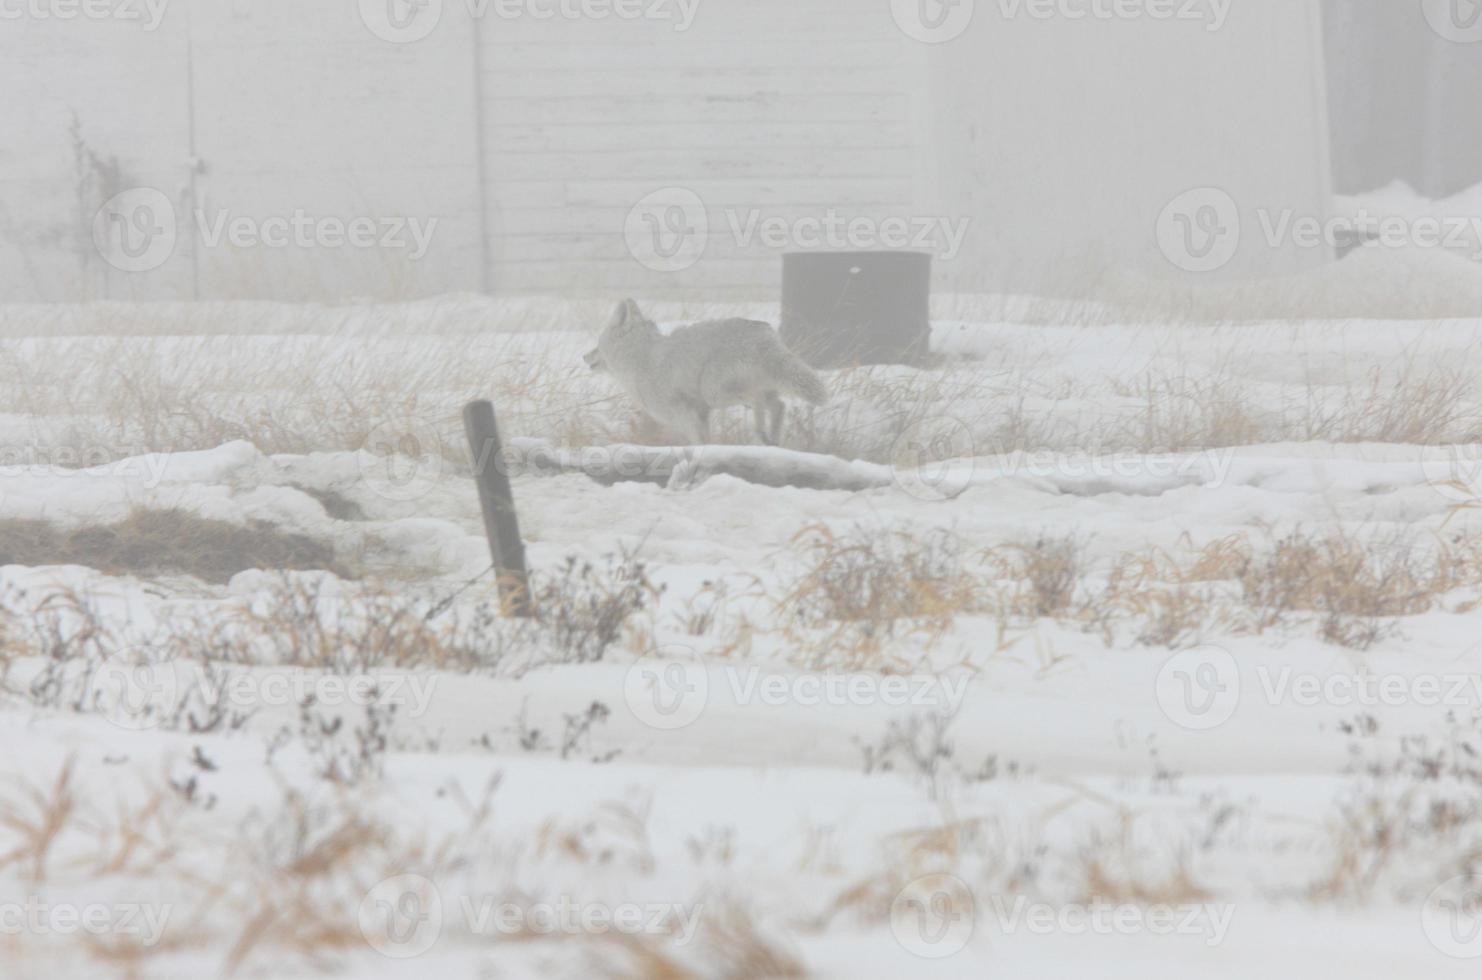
x: 681, y: 378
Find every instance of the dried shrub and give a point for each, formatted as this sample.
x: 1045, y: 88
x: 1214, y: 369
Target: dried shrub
x: 1042, y: 574
x: 165, y: 542
x: 583, y: 608
x: 859, y: 590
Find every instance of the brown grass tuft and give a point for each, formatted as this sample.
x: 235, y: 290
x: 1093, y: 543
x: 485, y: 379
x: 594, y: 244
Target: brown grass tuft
x: 165, y: 542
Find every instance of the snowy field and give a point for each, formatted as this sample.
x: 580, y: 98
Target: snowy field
x: 1139, y: 649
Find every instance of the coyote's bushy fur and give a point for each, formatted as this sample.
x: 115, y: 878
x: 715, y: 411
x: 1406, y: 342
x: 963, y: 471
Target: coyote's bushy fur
x: 680, y: 378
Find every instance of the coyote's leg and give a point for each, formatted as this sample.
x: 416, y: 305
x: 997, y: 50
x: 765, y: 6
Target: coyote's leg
x: 759, y: 416
x: 687, y: 419
x: 779, y: 415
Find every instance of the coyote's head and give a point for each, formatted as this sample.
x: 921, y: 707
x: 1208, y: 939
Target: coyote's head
x: 625, y: 334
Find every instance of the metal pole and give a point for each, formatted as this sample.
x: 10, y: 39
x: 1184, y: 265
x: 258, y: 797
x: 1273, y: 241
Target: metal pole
x: 497, y: 502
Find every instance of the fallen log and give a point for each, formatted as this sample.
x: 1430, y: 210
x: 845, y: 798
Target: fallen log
x: 685, y: 467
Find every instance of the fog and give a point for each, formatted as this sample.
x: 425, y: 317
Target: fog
x: 178, y: 150
x: 740, y: 489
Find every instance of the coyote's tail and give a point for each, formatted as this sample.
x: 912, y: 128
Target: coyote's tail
x: 799, y: 379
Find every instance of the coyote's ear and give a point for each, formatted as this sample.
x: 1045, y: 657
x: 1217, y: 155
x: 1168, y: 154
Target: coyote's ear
x: 626, y: 315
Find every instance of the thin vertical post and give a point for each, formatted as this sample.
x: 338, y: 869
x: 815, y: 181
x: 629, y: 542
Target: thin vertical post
x: 497, y: 502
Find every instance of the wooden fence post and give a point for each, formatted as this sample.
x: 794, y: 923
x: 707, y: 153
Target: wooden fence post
x: 497, y: 502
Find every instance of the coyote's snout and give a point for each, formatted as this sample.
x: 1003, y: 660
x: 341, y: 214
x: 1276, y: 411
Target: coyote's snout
x: 681, y: 378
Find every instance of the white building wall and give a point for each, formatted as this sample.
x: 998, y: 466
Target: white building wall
x: 783, y: 108
x: 1065, y: 140
x: 530, y: 141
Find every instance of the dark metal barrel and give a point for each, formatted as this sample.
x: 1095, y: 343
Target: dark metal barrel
x: 845, y: 308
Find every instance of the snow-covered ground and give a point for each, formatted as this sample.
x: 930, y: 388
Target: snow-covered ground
x: 1183, y: 759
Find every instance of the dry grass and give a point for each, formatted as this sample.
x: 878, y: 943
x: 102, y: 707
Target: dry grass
x: 352, y: 377
x: 165, y: 542
x: 35, y: 817
x: 1118, y: 867
x: 1410, y: 817
x: 1042, y: 576
x: 855, y: 600
x: 857, y: 591
x: 1356, y: 590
